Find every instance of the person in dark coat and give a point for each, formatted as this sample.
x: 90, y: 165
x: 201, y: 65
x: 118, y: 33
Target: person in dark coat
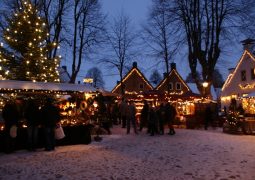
x: 208, y: 116
x: 144, y: 116
x: 161, y: 118
x: 50, y: 117
x: 32, y: 116
x: 130, y: 113
x: 10, y: 115
x: 170, y: 113
x: 152, y: 121
x: 123, y: 109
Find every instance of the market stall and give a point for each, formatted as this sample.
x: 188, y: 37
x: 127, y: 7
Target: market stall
x: 72, y: 99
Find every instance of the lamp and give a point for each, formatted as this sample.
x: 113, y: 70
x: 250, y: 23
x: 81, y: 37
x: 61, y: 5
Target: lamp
x: 205, y: 85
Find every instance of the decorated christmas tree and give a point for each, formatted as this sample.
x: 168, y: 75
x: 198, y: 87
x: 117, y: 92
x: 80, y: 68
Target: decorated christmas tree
x: 26, y: 39
x: 4, y: 64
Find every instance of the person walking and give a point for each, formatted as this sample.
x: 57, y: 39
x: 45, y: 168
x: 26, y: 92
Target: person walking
x: 10, y: 115
x: 123, y: 109
x: 130, y: 113
x: 144, y: 116
x: 152, y: 121
x: 170, y: 113
x: 161, y: 118
x: 32, y: 116
x: 208, y: 116
x: 50, y: 117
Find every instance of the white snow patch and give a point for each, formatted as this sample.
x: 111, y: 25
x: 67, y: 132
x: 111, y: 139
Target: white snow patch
x: 190, y: 154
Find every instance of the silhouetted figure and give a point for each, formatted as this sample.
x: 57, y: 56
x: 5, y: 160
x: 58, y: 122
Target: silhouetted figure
x: 32, y: 115
x: 10, y: 116
x: 170, y: 113
x: 144, y: 116
x: 130, y: 112
x: 208, y: 116
x: 161, y: 118
x: 152, y: 120
x: 50, y: 117
x: 123, y: 109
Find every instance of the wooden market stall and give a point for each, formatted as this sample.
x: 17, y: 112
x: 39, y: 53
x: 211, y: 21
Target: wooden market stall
x: 69, y: 98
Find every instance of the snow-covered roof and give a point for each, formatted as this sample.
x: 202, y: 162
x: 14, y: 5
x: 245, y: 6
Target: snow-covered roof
x: 29, y: 85
x: 194, y: 89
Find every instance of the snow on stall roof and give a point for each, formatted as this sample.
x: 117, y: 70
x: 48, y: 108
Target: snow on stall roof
x: 189, y: 154
x: 29, y: 85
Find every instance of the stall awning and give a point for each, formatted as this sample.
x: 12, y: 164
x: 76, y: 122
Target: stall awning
x: 44, y: 86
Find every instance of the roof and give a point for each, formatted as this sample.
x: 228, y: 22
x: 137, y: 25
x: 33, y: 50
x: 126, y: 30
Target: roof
x: 173, y: 71
x: 134, y: 69
x: 29, y: 85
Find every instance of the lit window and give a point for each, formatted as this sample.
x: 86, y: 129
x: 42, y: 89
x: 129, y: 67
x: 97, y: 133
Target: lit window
x: 178, y: 86
x: 243, y: 75
x: 252, y: 73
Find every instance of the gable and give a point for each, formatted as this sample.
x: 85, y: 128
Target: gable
x: 241, y: 81
x: 171, y: 83
x: 134, y: 81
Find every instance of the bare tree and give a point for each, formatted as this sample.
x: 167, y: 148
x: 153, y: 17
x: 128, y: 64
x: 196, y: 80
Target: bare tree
x: 217, y: 79
x: 155, y: 77
x: 97, y: 77
x: 54, y: 13
x: 205, y: 25
x: 88, y: 26
x: 157, y: 34
x: 121, y: 41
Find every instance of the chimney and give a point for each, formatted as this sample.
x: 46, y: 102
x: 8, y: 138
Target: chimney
x: 118, y: 82
x: 165, y: 75
x: 248, y: 44
x: 64, y: 67
x: 134, y: 64
x: 173, y: 66
x: 79, y: 82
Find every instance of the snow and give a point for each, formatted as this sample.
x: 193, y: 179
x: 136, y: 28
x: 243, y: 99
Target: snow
x: 29, y: 85
x: 189, y: 154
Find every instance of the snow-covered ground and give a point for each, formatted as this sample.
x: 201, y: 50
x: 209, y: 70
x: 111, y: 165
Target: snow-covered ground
x: 190, y: 154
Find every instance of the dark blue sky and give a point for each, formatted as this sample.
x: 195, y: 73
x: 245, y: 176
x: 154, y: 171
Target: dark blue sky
x: 137, y: 10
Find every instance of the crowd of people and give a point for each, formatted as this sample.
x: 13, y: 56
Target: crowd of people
x: 45, y: 117
x: 154, y: 118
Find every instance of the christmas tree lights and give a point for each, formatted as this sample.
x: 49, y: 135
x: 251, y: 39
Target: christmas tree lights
x: 26, y: 39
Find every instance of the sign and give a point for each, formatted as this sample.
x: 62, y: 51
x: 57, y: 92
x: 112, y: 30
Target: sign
x: 88, y: 80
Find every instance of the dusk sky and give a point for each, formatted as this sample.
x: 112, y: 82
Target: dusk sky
x: 137, y: 10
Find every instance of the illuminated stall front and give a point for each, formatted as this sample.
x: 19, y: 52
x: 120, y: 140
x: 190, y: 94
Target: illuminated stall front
x: 68, y: 97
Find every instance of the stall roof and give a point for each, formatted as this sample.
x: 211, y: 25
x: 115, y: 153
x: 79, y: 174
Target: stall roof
x: 29, y: 85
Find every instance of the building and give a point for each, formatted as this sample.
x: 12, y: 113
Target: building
x: 240, y: 83
x: 173, y: 85
x: 134, y: 82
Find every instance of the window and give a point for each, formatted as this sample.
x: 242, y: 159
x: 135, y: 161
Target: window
x: 170, y: 86
x: 178, y: 86
x: 141, y: 86
x: 243, y: 75
x: 252, y: 73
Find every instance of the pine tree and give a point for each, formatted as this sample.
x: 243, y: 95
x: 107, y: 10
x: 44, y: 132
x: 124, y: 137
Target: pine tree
x: 26, y: 39
x: 4, y: 64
